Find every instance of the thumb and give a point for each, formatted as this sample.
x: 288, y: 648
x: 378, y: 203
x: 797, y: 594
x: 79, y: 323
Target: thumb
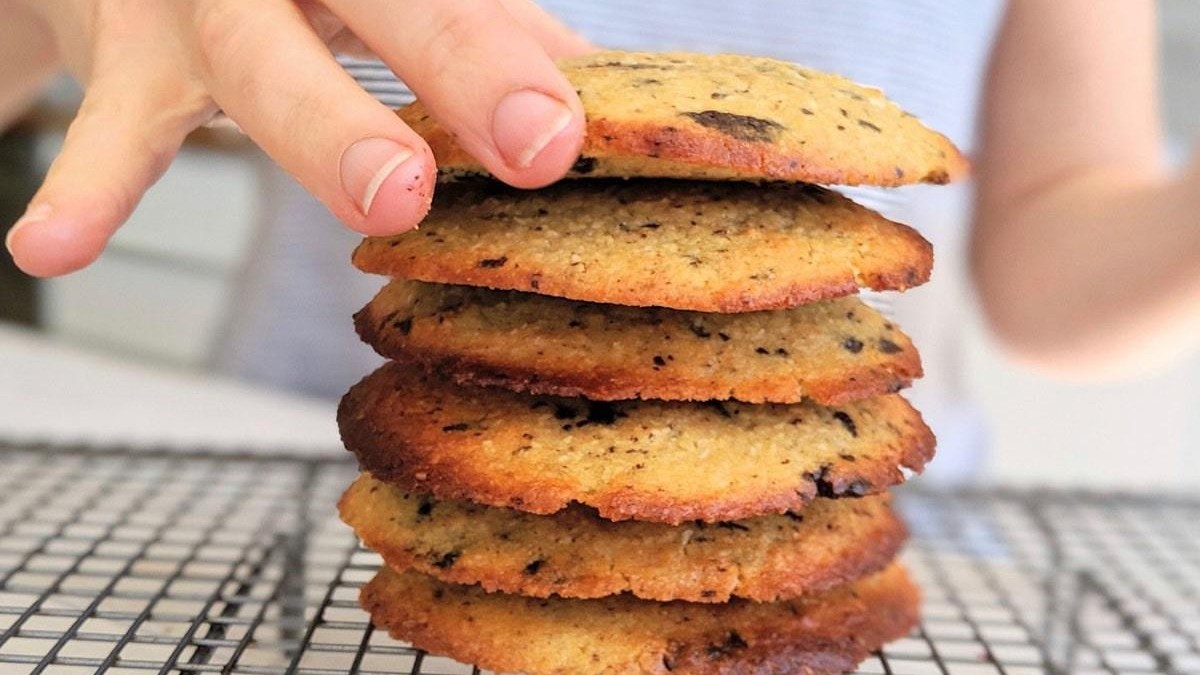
x: 119, y: 144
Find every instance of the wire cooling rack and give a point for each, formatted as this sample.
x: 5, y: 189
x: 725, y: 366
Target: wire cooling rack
x: 130, y: 563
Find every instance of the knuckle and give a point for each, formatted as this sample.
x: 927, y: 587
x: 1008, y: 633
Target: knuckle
x: 223, y: 31
x: 459, y: 29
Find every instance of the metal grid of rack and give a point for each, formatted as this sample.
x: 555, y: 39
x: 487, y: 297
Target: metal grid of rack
x: 128, y: 563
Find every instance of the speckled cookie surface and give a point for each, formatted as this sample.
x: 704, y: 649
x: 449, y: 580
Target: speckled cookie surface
x: 575, y: 553
x: 732, y: 117
x: 832, y: 351
x: 656, y: 461
x: 827, y: 633
x: 705, y: 246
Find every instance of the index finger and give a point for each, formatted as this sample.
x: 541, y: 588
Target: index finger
x: 273, y: 76
x: 483, y: 76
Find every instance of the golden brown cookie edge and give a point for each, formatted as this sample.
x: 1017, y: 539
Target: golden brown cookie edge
x: 609, y: 384
x: 881, y: 609
x: 879, y: 545
x: 420, y: 468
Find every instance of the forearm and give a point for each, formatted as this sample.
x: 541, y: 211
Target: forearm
x: 1097, y: 273
x: 1086, y: 254
x: 27, y: 58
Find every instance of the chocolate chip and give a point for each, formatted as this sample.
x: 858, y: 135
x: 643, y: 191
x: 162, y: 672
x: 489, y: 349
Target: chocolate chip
x: 600, y: 412
x: 584, y: 165
x: 847, y: 457
x: 447, y: 560
x: 794, y: 516
x: 574, y: 323
x: 761, y: 350
x: 461, y: 426
x: 659, y: 361
x: 806, y: 111
x: 781, y: 352
x: 425, y: 508
x: 852, y: 345
x: 492, y: 263
x: 628, y: 66
x: 533, y: 567
x: 888, y: 347
x: 724, y: 337
x: 719, y: 407
x: 564, y: 412
x: 651, y: 226
x: 821, y: 482
x: 732, y: 642
x: 700, y: 331
x: 741, y: 127
x: 404, y: 325
x: 733, y: 526
x: 847, y: 421
x: 867, y: 125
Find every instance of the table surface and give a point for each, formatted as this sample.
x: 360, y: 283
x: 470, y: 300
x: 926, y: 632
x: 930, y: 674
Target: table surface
x: 62, y: 394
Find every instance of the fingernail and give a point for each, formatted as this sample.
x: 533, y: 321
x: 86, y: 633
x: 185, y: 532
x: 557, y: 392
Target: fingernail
x: 524, y: 123
x: 366, y: 164
x: 34, y: 214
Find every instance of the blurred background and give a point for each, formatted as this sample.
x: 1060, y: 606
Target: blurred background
x: 158, y: 303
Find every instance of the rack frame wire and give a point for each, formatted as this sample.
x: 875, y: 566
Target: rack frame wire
x: 125, y: 562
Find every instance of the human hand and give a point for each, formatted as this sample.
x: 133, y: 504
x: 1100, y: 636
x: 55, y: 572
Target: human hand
x: 155, y: 71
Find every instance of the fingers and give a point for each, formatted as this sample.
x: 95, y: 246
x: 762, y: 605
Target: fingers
x: 552, y: 34
x: 121, y: 141
x: 272, y: 75
x: 486, y: 79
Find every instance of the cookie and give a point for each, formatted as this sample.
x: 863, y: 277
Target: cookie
x: 657, y: 461
x: 575, y: 553
x: 709, y: 247
x: 679, y: 115
x: 833, y: 351
x: 826, y: 633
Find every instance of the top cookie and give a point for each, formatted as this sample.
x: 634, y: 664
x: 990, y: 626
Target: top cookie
x: 730, y: 117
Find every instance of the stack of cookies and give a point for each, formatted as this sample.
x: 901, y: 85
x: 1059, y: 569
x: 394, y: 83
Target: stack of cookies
x: 636, y: 422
